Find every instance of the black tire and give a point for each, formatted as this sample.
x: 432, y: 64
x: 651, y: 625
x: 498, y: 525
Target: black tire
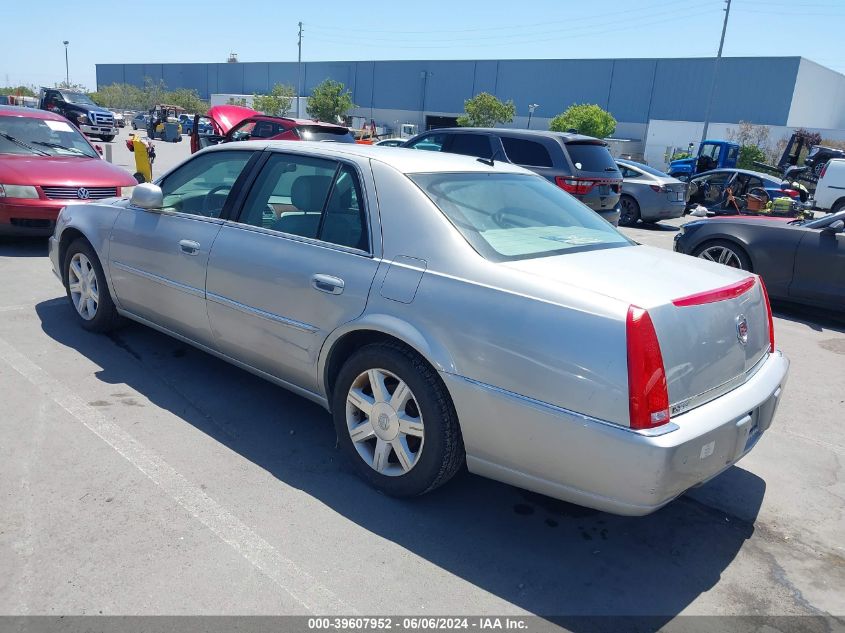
x: 629, y: 211
x: 838, y: 206
x: 442, y: 453
x: 107, y: 138
x: 106, y: 317
x: 739, y: 252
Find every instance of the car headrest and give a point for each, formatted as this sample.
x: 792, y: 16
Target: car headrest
x: 308, y: 193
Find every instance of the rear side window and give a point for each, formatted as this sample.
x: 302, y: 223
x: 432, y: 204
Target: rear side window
x: 591, y: 157
x: 431, y: 143
x: 471, y: 145
x: 524, y: 152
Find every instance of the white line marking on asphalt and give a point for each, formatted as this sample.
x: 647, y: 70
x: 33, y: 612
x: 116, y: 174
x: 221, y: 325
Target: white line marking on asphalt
x: 13, y: 308
x: 300, y: 585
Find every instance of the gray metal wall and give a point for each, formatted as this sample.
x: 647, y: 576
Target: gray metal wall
x: 757, y: 89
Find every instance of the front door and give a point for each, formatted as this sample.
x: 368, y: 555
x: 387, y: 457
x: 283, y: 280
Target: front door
x: 820, y: 269
x: 158, y: 258
x: 296, y: 264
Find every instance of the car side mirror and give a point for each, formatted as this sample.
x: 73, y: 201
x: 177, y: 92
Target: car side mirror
x: 147, y: 196
x: 834, y: 227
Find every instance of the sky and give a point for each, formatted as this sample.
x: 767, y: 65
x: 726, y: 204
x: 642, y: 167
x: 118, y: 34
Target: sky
x: 156, y: 31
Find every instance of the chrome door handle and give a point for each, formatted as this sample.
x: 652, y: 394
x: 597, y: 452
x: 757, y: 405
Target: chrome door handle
x: 327, y: 283
x: 189, y: 247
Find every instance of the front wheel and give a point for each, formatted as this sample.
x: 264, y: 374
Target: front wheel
x: 395, y: 421
x: 87, y: 289
x: 629, y: 211
x: 107, y: 139
x: 723, y: 252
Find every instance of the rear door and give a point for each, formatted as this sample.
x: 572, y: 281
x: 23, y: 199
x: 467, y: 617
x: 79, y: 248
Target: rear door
x: 530, y: 154
x: 158, y: 258
x: 819, y: 275
x: 296, y: 264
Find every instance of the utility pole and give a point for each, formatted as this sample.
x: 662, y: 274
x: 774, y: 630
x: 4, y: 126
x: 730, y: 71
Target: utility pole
x: 727, y: 11
x: 299, y: 75
x: 67, y: 70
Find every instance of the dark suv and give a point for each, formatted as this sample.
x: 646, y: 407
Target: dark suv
x: 580, y: 165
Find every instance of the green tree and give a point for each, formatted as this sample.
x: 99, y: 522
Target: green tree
x: 23, y: 91
x: 64, y: 85
x: 188, y: 99
x: 748, y: 155
x: 329, y: 101
x: 587, y: 119
x: 119, y: 96
x: 277, y: 103
x: 485, y: 110
x: 154, y: 92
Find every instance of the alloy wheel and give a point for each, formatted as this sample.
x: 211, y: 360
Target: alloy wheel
x: 721, y: 255
x: 83, y: 287
x: 384, y: 422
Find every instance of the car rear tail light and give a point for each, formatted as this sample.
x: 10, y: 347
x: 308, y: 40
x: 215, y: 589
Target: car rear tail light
x: 791, y: 193
x: 824, y: 170
x: 576, y: 186
x: 658, y: 188
x: 771, y: 320
x: 648, y: 394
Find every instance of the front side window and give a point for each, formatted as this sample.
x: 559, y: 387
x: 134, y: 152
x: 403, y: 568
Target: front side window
x: 24, y: 135
x: 202, y: 185
x: 515, y: 216
x: 471, y: 145
x: 308, y: 197
x: 430, y: 142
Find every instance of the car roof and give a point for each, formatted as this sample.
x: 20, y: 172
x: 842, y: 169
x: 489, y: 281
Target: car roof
x: 747, y: 172
x: 30, y: 113
x: 566, y: 137
x: 406, y: 161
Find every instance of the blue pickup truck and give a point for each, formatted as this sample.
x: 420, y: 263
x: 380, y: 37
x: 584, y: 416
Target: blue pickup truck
x: 711, y: 155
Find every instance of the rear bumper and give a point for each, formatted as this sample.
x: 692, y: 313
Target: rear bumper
x: 601, y: 465
x: 666, y: 211
x: 611, y: 215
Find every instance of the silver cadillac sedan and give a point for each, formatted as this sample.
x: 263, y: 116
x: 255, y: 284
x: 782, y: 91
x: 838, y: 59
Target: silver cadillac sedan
x: 446, y: 310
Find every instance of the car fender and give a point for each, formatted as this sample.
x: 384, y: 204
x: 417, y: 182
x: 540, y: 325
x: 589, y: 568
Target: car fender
x: 427, y: 346
x: 94, y: 222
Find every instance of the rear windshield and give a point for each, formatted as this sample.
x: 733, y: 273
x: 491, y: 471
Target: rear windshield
x: 322, y: 133
x: 517, y: 216
x: 646, y: 169
x: 592, y: 157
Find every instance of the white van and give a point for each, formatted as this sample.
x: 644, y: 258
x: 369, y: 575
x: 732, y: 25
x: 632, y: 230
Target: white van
x: 830, y: 192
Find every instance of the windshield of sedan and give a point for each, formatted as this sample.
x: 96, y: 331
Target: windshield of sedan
x: 25, y: 135
x: 513, y: 216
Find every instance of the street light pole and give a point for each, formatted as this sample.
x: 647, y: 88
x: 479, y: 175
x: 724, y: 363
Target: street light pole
x: 67, y: 71
x: 727, y: 11
x: 299, y: 74
x: 531, y: 109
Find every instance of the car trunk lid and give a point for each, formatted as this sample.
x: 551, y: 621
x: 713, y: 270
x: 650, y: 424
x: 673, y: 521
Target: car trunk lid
x: 700, y: 331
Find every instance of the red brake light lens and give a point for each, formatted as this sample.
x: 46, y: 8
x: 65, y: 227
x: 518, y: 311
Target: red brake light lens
x: 657, y: 188
x: 790, y: 192
x: 648, y: 395
x: 824, y: 170
x: 575, y: 186
x: 771, y: 320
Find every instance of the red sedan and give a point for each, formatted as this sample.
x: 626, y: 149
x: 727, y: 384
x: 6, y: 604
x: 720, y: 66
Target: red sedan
x: 237, y: 123
x: 46, y: 164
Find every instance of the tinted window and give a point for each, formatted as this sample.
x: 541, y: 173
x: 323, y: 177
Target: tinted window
x: 515, y: 216
x: 591, y: 157
x: 201, y: 185
x: 646, y: 169
x: 471, y: 145
x: 309, y: 197
x: 325, y: 133
x: 523, y: 152
x: 430, y: 142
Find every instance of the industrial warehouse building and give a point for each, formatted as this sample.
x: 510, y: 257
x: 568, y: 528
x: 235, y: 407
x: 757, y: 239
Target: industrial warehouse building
x: 658, y: 103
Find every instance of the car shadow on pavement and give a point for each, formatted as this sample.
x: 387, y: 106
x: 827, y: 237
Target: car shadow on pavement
x: 656, y: 226
x: 817, y: 319
x: 542, y: 555
x: 23, y: 246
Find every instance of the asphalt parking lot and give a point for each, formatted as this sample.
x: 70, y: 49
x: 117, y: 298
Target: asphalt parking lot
x: 141, y: 476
